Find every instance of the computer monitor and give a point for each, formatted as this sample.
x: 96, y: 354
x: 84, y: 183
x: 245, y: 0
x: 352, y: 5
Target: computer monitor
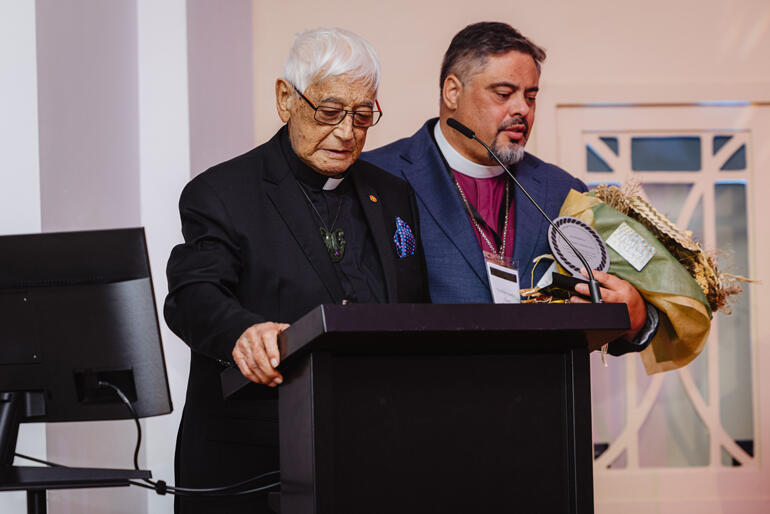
x: 77, y: 308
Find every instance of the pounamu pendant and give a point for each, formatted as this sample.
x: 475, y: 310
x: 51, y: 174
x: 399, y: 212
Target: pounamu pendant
x: 335, y: 243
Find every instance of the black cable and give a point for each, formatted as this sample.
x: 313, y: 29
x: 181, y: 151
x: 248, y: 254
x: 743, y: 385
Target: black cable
x: 252, y: 491
x: 181, y: 491
x: 141, y: 484
x: 130, y: 407
x: 248, y: 491
x: 160, y: 486
x: 39, y: 461
x: 196, y: 492
x: 230, y: 486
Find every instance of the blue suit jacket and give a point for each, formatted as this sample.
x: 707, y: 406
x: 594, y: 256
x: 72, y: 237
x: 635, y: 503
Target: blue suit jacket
x: 456, y: 271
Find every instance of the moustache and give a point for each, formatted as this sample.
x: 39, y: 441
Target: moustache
x: 516, y: 120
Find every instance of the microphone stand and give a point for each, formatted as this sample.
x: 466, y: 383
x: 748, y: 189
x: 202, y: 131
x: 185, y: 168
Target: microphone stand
x: 593, y: 285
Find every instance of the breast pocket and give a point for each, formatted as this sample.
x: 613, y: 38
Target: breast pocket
x: 410, y: 279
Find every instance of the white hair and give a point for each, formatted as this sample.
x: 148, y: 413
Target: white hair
x: 321, y: 53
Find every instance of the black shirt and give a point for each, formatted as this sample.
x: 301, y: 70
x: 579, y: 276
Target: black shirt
x: 359, y: 271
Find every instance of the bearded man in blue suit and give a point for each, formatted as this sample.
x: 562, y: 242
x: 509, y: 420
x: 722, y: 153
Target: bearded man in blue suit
x: 489, y: 82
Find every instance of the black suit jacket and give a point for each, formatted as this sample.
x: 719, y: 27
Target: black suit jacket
x: 252, y: 253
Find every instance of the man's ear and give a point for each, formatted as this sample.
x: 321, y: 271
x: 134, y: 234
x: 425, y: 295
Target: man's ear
x: 450, y: 92
x: 284, y: 98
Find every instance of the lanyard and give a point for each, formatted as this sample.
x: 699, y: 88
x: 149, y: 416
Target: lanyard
x: 499, y: 248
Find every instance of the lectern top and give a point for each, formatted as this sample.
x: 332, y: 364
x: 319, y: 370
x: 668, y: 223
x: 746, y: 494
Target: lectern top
x: 445, y: 329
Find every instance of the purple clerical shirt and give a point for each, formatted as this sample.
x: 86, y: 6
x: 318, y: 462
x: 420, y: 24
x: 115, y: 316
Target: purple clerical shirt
x: 487, y: 195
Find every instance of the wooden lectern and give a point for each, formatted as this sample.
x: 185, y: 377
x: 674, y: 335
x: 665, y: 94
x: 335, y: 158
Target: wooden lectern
x: 439, y: 408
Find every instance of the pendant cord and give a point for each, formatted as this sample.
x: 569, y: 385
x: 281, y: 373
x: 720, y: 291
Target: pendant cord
x: 339, y: 209
x: 334, y: 240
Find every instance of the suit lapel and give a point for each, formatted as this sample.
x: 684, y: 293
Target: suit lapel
x: 292, y: 206
x: 530, y: 224
x: 427, y: 173
x: 380, y: 233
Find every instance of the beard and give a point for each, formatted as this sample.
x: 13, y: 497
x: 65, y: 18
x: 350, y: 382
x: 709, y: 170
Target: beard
x: 511, y: 153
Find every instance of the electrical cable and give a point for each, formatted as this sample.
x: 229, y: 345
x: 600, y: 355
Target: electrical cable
x: 40, y: 461
x: 196, y: 492
x: 131, y: 409
x: 160, y: 486
x: 248, y: 491
x: 230, y: 486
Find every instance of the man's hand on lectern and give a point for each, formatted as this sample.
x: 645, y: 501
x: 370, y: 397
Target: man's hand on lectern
x: 256, y: 353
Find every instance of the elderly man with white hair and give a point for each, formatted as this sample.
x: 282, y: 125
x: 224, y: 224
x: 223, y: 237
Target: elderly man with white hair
x: 295, y: 222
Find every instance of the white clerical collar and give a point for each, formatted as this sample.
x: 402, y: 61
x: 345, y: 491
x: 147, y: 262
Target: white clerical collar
x: 332, y: 183
x: 459, y: 162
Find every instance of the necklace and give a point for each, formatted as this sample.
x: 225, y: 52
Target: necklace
x: 500, y: 252
x: 334, y: 239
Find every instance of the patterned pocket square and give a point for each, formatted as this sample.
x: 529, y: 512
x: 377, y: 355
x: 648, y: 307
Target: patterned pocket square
x: 404, y: 239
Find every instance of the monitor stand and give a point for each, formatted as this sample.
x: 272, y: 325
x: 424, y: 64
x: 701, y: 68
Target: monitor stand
x: 37, y: 480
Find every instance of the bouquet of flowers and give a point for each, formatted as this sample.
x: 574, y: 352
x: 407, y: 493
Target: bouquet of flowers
x: 681, y: 280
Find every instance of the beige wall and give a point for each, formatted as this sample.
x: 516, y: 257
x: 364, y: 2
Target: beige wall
x: 598, y: 50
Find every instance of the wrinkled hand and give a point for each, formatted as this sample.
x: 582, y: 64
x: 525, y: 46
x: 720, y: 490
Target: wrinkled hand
x: 617, y: 290
x: 256, y: 353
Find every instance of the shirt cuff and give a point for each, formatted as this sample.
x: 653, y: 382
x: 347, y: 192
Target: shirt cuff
x: 643, y: 337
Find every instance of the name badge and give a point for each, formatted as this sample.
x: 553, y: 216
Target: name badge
x: 503, y: 275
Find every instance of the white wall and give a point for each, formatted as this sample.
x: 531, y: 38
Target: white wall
x: 87, y: 84
x: 20, y: 171
x: 164, y: 160
x: 220, y: 81
x: 89, y: 179
x: 109, y: 84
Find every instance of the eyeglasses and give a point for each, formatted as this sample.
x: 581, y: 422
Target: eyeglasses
x: 333, y: 115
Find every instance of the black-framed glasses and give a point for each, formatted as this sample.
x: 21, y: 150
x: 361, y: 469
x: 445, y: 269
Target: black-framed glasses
x: 334, y: 115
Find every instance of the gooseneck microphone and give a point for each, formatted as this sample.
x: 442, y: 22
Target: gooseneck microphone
x: 593, y: 285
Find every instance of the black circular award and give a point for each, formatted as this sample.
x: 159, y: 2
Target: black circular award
x: 584, y: 238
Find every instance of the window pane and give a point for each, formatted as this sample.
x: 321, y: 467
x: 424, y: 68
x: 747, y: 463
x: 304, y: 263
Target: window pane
x: 666, y: 153
x: 668, y: 198
x: 608, y: 408
x: 612, y: 144
x: 737, y: 161
x: 735, y: 329
x: 595, y: 163
x: 719, y: 142
x: 673, y: 435
x: 696, y: 223
x: 699, y: 366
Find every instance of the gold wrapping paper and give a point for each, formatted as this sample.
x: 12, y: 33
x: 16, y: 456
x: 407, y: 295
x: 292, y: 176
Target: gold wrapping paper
x: 685, y: 313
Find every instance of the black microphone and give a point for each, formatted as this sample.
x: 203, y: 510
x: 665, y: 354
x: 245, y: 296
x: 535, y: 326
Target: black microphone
x: 593, y: 285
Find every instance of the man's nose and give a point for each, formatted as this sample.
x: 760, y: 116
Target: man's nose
x: 345, y: 128
x: 519, y: 105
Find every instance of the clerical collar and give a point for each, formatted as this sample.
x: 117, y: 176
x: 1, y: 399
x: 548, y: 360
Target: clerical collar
x: 332, y: 183
x: 305, y: 173
x: 459, y: 162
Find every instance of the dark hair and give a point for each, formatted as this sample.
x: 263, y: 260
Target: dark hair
x: 471, y: 46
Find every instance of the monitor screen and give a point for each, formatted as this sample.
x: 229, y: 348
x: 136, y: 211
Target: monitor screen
x: 77, y: 308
